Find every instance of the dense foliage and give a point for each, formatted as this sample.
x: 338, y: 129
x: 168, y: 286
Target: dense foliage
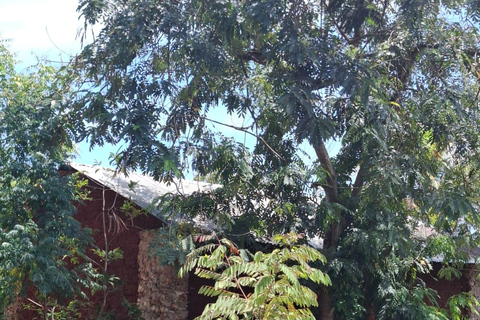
x: 39, y: 236
x: 394, y: 83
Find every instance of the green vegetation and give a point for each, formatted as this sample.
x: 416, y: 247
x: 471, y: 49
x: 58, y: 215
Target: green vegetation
x: 395, y: 84
x: 275, y: 278
x: 39, y: 236
x: 42, y: 247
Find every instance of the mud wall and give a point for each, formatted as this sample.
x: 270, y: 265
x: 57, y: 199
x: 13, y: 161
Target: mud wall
x: 444, y: 288
x: 122, y: 232
x: 11, y: 312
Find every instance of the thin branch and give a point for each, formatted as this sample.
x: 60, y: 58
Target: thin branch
x: 35, y: 303
x: 342, y: 33
x: 50, y: 38
x: 476, y: 98
x: 244, y: 69
x: 237, y: 282
x: 245, y: 129
x: 472, y: 52
x: 405, y: 67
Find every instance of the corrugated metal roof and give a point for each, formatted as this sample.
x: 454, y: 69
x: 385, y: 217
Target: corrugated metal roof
x: 142, y: 189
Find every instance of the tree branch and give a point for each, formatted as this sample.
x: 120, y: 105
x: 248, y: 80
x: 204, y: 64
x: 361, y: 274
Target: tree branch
x: 255, y: 56
x: 245, y: 129
x: 331, y: 191
x: 405, y: 67
x: 358, y: 184
x: 339, y: 28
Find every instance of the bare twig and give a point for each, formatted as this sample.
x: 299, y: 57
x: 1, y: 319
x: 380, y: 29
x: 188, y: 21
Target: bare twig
x: 245, y: 129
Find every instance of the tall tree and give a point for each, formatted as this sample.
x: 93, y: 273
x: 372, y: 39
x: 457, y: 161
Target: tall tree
x: 394, y: 83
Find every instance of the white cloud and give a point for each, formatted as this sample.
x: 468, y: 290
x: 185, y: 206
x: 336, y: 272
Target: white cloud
x: 38, y: 27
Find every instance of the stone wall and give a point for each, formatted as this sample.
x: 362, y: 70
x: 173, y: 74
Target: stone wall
x: 11, y: 312
x: 472, y: 273
x: 161, y: 294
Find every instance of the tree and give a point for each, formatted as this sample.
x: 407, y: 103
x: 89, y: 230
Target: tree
x: 40, y: 239
x: 394, y: 83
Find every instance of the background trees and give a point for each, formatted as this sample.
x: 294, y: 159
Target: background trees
x: 395, y: 83
x: 38, y: 234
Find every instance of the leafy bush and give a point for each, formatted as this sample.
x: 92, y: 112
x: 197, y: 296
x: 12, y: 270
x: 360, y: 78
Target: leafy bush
x: 269, y: 286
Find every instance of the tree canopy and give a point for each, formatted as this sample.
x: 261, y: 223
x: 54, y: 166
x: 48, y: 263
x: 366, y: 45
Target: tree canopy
x: 394, y: 83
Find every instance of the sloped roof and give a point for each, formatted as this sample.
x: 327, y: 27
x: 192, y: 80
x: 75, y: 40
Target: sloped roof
x: 143, y: 190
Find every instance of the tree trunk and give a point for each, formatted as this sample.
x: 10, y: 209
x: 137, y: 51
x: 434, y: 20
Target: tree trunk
x: 333, y: 234
x: 326, y: 305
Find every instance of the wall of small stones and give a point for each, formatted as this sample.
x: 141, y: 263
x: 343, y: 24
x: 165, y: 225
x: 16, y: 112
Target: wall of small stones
x: 472, y: 275
x: 161, y: 294
x: 11, y: 311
